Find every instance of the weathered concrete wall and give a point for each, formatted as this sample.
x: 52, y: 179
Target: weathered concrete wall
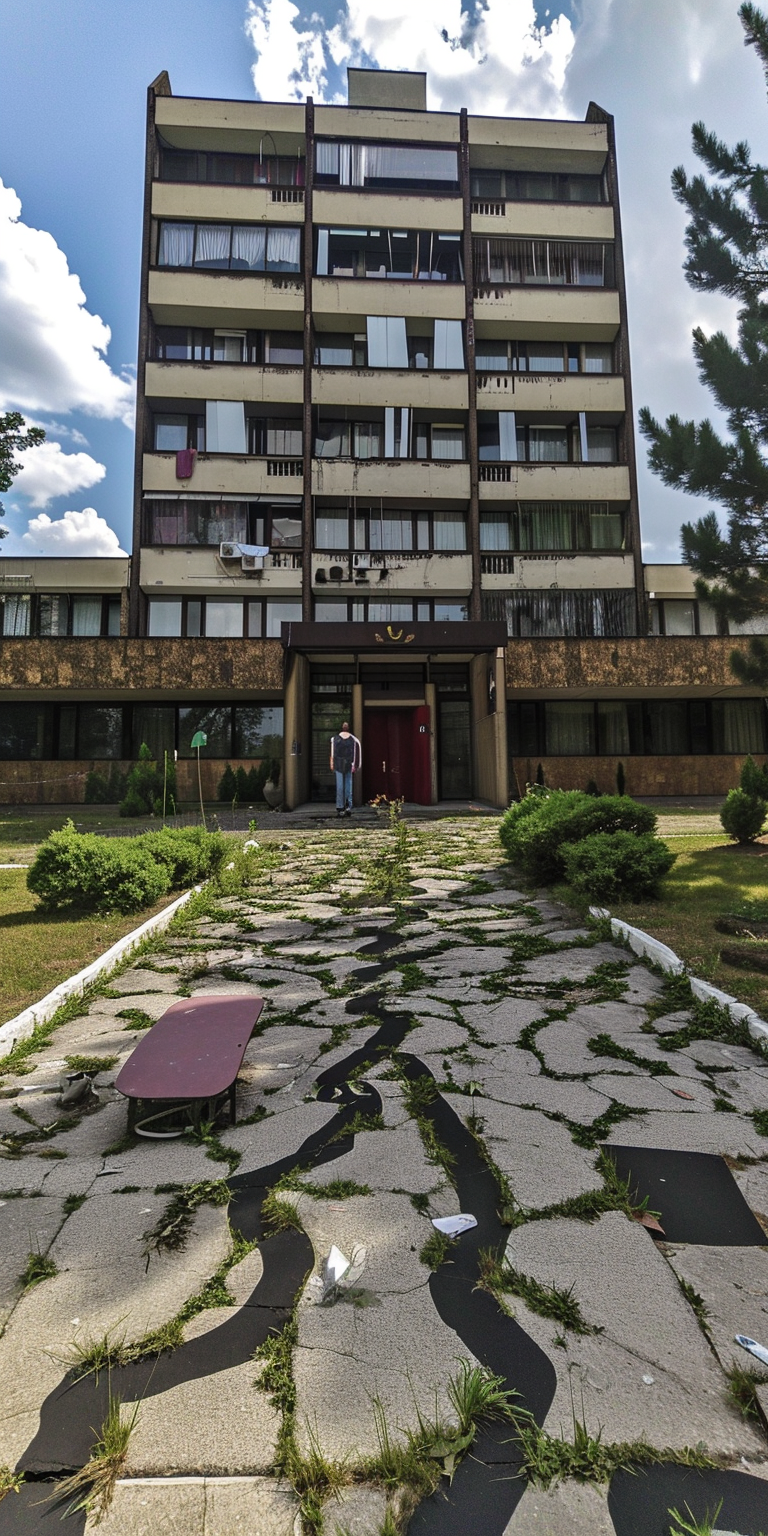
x: 124, y: 668
x: 658, y: 664
x: 644, y: 775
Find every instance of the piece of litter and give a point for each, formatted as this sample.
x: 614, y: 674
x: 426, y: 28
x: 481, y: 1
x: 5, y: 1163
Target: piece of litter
x: 40, y: 1088
x: 338, y: 1273
x: 285, y: 1066
x: 758, y: 1350
x: 647, y: 1220
x: 75, y: 1321
x: 648, y: 1381
x: 251, y: 843
x: 147, y: 1211
x: 678, y: 1092
x: 453, y: 1226
x: 104, y: 1171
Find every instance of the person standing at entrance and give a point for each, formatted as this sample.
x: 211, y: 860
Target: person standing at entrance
x: 346, y: 758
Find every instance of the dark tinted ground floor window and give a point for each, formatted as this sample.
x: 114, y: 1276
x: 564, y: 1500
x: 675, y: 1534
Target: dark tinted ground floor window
x: 115, y: 731
x: 454, y: 762
x: 636, y: 727
x: 330, y: 706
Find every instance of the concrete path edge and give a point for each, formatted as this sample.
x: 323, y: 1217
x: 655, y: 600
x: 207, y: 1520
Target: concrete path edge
x: 26, y: 1022
x: 645, y: 945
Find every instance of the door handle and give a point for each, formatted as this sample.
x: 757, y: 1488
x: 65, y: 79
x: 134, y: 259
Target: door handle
x: 383, y: 767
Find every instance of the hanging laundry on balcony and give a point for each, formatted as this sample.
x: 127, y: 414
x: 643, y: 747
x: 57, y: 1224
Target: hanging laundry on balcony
x: 185, y: 463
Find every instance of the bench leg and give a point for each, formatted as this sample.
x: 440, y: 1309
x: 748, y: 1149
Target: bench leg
x: 133, y: 1108
x: 233, y: 1103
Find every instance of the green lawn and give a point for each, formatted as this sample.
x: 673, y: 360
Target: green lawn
x: 712, y: 878
x: 39, y: 950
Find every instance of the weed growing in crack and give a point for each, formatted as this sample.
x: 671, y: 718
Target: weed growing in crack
x: 759, y: 1118
x: 137, y: 1018
x: 590, y: 1136
x: 603, y: 1045
x: 388, y: 874
x: 697, y: 1304
x: 501, y: 1278
x: 10, y: 1482
x: 436, y: 1249
x: 37, y: 1268
x: 278, y: 1214
x: 73, y: 1203
x: 206, y: 1136
x: 587, y: 1458
x: 94, y: 1484
x: 688, y: 1525
x: 742, y: 1389
x: 173, y: 1227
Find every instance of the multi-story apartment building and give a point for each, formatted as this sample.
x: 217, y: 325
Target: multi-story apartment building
x: 384, y: 471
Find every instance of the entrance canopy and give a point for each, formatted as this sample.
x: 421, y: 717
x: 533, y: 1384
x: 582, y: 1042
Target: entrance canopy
x: 451, y: 638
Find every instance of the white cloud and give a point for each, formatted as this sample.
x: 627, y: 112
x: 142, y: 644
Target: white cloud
x: 76, y: 533
x: 53, y: 348
x: 47, y: 472
x: 501, y: 61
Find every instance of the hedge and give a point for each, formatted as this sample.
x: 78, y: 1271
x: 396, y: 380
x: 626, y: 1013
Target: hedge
x: 120, y: 874
x: 536, y: 831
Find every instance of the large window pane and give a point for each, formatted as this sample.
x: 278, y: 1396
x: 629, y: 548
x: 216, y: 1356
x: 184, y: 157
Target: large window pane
x: 281, y: 613
x: 548, y: 445
x: 332, y: 530
x: 259, y: 730
x: 213, y: 245
x: 455, y: 759
x: 450, y: 530
x: 153, y: 725
x: 680, y: 618
x: 176, y: 245
x: 164, y: 616
x: 52, y: 615
x: 16, y: 614
x: 223, y: 619
x: 170, y: 433
x: 668, y: 723
x: 249, y: 243
x: 738, y: 725
x: 283, y: 250
x: 613, y: 727
x: 100, y: 731
x: 215, y: 720
x: 330, y: 612
x: 86, y: 615
x: 449, y: 613
x: 494, y: 531
x: 570, y: 729
x: 24, y: 731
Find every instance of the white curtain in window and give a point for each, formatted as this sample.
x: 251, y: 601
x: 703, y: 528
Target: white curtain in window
x: 570, y: 729
x: 391, y: 530
x: 450, y: 530
x: 614, y: 727
x: 223, y: 619
x: 679, y: 618
x: 225, y: 426
x: 16, y: 613
x: 326, y: 159
x: 387, y: 341
x: 248, y: 247
x: 86, y: 615
x: 448, y: 443
x: 547, y: 445
x: 449, y: 344
x: 284, y: 249
x: 176, y: 245
x: 507, y: 436
x: 602, y: 445
x: 408, y: 163
x: 213, y: 242
x: 390, y: 613
x: 367, y: 440
x: 606, y: 531
x: 494, y: 531
x: 546, y: 527
x: 738, y: 725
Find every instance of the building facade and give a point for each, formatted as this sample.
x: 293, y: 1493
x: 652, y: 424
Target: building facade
x: 385, y: 471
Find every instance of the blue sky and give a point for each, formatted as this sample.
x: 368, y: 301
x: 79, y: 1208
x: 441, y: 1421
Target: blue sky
x: 71, y: 131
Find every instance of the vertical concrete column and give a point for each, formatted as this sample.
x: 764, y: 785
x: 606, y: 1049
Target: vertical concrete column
x: 469, y: 299
x: 489, y: 727
x: 297, y: 750
x: 430, y: 695
x: 357, y: 730
x: 306, y: 516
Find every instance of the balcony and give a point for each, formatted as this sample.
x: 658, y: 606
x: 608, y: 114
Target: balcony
x: 554, y: 482
x: 195, y: 572
x: 354, y: 207
x: 228, y: 126
x: 562, y: 314
x: 540, y: 144
x: 223, y: 381
x: 558, y: 221
x: 573, y: 569
x: 389, y: 386
x: 235, y: 204
x: 416, y: 478
x: 393, y: 571
x: 665, y: 666
x: 246, y: 299
x: 570, y: 392
x: 132, y: 669
x: 221, y: 474
x: 360, y: 296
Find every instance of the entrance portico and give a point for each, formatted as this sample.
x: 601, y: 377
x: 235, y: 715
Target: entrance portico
x: 427, y: 701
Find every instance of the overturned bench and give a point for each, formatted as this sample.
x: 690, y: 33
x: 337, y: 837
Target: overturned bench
x: 189, y: 1060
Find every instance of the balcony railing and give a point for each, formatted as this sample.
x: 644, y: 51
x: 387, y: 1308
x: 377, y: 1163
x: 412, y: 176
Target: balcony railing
x: 495, y: 209
x: 497, y: 565
x: 495, y: 472
x: 281, y: 467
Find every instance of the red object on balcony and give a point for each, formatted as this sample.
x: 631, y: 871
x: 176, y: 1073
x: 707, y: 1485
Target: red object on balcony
x: 185, y: 463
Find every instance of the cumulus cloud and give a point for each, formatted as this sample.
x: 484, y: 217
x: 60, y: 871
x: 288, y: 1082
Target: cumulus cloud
x: 47, y: 472
x: 75, y: 533
x: 497, y: 60
x: 54, y: 349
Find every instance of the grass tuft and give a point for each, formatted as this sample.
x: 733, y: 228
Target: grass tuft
x: 436, y: 1249
x: 10, y: 1482
x: 742, y: 1389
x: 94, y: 1484
x: 91, y: 1064
x: 546, y: 1300
x: 172, y: 1229
x: 37, y: 1268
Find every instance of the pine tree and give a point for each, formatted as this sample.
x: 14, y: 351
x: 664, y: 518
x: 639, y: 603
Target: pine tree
x: 727, y: 243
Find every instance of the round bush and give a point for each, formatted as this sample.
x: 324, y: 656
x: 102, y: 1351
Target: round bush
x: 536, y: 837
x: 73, y: 869
x: 743, y: 815
x: 610, y: 865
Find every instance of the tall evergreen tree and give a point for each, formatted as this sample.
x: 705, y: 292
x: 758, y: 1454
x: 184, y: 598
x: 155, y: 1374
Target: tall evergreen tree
x: 727, y: 243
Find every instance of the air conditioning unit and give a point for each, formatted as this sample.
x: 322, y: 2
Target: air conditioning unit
x: 337, y: 573
x: 252, y: 562
x: 229, y: 551
x: 320, y: 577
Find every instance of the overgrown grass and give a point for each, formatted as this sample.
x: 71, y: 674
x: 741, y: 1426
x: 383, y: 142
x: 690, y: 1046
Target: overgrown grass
x: 603, y: 1045
x: 587, y: 1458
x: 742, y: 1389
x: 37, y: 1268
x: 94, y: 1484
x: 552, y: 1301
x: 172, y: 1229
x: 92, y: 1065
x: 436, y: 1249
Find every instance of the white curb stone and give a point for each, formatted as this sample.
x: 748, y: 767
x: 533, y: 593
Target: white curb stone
x: 25, y: 1023
x: 666, y: 959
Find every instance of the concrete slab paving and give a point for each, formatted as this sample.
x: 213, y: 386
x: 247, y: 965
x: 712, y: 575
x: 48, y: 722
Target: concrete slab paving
x: 391, y: 1159
x: 219, y: 1424
x: 500, y: 1023
x: 733, y: 1284
x: 567, y: 1509
x: 537, y: 1155
x: 143, y: 1508
x: 356, y: 1511
x: 278, y: 1136
x: 678, y: 1131
x: 28, y: 1226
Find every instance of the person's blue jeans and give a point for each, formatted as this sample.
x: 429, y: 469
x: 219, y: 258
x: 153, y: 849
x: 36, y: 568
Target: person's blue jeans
x: 344, y: 790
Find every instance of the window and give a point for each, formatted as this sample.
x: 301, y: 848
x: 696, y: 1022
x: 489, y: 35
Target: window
x: 738, y: 725
x: 549, y: 262
x: 449, y: 531
x: 371, y: 611
x: 24, y: 731
x: 547, y: 445
x: 100, y: 731
x: 237, y: 170
x: 285, y: 348
x: 448, y: 443
x: 332, y: 440
x: 223, y: 618
x: 215, y: 720
x: 521, y: 186
x: 225, y: 426
x: 448, y: 345
x: 583, y: 613
x: 229, y: 247
x: 667, y: 726
x: 449, y: 613
x: 340, y: 351
x: 52, y: 615
x: 229, y: 347
x: 403, y: 166
x: 258, y: 730
x: 204, y: 523
x: 172, y: 434
x: 491, y: 356
x: 570, y: 729
x: 279, y: 614
x: 164, y: 616
x: 597, y: 358
x: 86, y: 615
x: 387, y: 345
x: 153, y: 725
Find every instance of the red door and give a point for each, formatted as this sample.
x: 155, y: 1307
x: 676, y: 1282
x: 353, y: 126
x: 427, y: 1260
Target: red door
x: 396, y: 754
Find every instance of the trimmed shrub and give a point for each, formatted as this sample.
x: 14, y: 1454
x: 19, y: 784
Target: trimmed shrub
x: 121, y: 874
x: 75, y: 869
x: 592, y: 789
x: 742, y: 814
x: 536, y: 831
x: 228, y: 789
x: 621, y: 779
x: 609, y: 866
x: 96, y: 789
x: 754, y: 780
x: 241, y: 780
